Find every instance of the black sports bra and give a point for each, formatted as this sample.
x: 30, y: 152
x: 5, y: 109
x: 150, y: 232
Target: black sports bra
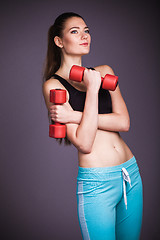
x: 77, y: 98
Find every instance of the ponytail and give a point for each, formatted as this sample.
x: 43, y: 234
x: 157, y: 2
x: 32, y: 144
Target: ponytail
x: 53, y: 57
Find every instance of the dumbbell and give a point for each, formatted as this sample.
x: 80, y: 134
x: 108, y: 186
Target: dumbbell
x: 57, y: 130
x: 109, y: 82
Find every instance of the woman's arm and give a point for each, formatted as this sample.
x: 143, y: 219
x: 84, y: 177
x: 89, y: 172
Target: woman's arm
x: 117, y: 121
x: 82, y: 135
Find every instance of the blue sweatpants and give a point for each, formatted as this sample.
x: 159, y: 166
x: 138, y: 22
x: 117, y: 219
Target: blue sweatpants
x: 110, y: 202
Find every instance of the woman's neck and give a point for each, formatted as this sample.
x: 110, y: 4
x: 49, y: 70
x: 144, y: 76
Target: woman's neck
x: 67, y: 63
x: 65, y: 68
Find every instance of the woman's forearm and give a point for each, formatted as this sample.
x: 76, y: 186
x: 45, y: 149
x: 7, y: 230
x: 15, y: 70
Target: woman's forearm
x: 114, y: 122
x: 108, y: 122
x: 88, y: 123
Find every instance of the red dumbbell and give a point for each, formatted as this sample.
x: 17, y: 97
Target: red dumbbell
x: 109, y: 82
x: 57, y: 130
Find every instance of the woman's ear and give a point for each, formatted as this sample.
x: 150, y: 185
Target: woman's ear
x: 58, y: 42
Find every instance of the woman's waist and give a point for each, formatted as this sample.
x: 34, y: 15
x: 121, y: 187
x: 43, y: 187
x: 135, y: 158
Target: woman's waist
x: 107, y: 173
x: 108, y: 149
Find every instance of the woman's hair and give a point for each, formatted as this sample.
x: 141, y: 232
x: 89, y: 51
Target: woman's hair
x: 53, y: 57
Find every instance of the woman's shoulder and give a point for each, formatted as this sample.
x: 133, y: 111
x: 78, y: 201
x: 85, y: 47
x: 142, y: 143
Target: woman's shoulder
x: 52, y: 83
x: 104, y: 69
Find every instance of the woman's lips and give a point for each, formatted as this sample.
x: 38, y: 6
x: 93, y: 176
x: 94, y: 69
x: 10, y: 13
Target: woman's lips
x: 84, y: 44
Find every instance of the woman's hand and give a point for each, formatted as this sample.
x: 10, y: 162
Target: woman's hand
x: 61, y: 113
x: 92, y: 80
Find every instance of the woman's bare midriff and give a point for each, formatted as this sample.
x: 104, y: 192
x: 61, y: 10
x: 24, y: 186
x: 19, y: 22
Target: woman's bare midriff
x: 108, y: 149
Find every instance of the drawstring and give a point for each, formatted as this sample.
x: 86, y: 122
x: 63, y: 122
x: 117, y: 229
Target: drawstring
x: 126, y: 178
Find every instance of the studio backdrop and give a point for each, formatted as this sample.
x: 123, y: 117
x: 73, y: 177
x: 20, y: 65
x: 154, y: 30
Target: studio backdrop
x: 38, y: 176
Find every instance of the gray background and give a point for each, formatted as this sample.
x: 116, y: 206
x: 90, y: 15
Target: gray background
x: 38, y: 177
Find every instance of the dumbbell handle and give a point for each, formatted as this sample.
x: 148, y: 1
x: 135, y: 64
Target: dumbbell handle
x: 57, y: 123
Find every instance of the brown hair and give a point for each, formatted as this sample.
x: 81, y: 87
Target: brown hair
x: 53, y: 57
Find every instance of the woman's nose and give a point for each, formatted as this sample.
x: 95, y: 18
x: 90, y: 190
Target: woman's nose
x: 84, y: 36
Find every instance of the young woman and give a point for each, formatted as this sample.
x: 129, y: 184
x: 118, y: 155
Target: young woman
x: 109, y: 185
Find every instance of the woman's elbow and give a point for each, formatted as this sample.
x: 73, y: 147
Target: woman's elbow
x: 85, y: 148
x: 126, y: 124
x: 82, y: 145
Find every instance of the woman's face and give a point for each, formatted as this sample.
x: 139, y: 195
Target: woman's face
x: 76, y: 38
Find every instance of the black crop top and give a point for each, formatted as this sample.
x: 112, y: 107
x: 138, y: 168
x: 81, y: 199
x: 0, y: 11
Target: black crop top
x: 77, y: 98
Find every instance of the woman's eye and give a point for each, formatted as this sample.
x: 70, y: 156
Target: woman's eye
x: 87, y: 31
x: 74, y: 31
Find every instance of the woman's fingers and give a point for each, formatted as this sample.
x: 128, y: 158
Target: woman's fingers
x: 61, y: 113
